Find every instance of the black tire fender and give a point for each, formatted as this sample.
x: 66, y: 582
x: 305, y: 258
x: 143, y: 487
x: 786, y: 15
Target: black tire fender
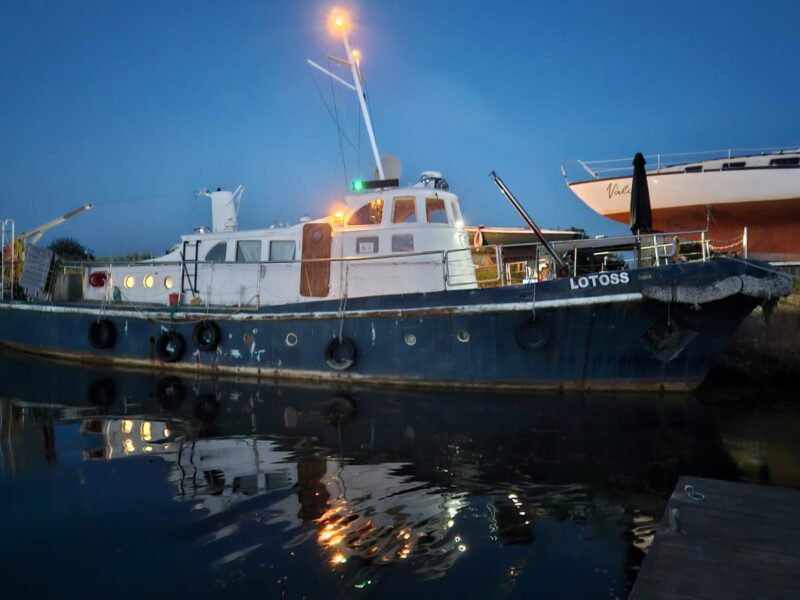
x: 340, y: 354
x: 102, y: 334
x: 170, y: 347
x: 206, y: 335
x: 532, y: 333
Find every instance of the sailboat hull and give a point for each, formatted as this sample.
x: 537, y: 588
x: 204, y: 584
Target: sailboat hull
x: 766, y: 201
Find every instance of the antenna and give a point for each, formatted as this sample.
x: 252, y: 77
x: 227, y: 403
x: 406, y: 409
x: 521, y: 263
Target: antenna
x: 339, y: 23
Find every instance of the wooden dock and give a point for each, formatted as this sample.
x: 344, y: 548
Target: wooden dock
x: 724, y: 540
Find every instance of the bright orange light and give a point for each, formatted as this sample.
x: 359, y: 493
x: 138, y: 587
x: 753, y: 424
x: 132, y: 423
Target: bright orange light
x: 339, y: 21
x: 356, y: 56
x: 338, y: 216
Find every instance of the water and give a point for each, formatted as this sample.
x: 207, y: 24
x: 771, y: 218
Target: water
x: 134, y: 485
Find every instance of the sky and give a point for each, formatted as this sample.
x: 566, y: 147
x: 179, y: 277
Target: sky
x: 131, y: 106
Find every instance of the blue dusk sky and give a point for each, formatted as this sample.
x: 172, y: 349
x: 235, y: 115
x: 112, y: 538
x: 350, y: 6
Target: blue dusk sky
x: 132, y: 105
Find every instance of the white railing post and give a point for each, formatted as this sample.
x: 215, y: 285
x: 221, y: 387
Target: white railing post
x: 703, y: 249
x: 501, y: 272
x: 655, y: 249
x: 744, y: 241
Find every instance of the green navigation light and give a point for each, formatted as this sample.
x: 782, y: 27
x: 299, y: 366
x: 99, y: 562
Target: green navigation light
x: 357, y: 185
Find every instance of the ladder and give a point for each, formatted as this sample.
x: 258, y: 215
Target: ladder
x: 189, y: 254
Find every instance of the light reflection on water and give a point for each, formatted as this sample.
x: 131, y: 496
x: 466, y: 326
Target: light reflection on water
x: 152, y: 485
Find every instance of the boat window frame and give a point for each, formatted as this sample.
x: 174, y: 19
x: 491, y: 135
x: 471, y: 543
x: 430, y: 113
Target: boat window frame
x: 223, y: 243
x: 239, y: 244
x: 370, y: 209
x: 271, y: 258
x: 456, y: 210
x: 429, y: 200
x: 404, y: 199
x: 400, y: 242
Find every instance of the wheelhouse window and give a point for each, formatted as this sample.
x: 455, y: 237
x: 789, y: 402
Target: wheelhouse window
x: 369, y: 214
x: 456, y: 213
x: 248, y: 251
x: 436, y: 212
x: 281, y: 250
x: 404, y: 210
x: 403, y: 242
x: 218, y: 252
x: 694, y: 169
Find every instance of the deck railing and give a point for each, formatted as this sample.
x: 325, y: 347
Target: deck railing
x: 577, y: 170
x: 493, y: 265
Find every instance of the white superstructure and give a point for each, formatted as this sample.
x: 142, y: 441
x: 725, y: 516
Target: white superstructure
x: 390, y: 240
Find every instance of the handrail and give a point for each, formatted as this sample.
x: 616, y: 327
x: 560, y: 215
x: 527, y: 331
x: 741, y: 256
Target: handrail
x: 729, y: 151
x: 596, y: 169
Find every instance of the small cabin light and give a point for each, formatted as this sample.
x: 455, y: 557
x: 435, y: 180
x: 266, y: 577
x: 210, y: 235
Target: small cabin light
x: 168, y: 282
x: 338, y: 216
x: 129, y: 281
x: 148, y: 281
x: 357, y: 185
x: 459, y: 224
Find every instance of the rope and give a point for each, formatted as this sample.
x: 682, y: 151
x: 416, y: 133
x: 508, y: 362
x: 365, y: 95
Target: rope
x: 343, y: 302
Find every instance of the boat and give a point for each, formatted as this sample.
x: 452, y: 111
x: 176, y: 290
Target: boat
x: 385, y: 290
x: 727, y: 192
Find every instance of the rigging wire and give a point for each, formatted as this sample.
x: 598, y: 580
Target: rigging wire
x: 141, y: 198
x: 338, y: 126
x: 333, y: 118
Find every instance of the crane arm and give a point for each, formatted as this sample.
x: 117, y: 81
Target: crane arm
x: 34, y: 235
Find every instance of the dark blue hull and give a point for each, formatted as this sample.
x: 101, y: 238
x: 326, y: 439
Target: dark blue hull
x: 558, y: 334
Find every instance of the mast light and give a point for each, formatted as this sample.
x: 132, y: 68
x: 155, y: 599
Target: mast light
x: 339, y: 21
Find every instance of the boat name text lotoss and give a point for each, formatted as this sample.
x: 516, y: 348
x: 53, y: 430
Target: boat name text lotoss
x: 602, y: 279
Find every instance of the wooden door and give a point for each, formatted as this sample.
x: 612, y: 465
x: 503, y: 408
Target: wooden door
x: 315, y: 277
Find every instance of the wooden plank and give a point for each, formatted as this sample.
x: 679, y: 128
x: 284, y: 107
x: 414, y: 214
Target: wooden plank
x: 734, y: 541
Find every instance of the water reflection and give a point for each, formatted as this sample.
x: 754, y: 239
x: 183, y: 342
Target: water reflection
x: 321, y: 492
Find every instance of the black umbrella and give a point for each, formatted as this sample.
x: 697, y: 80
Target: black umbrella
x: 641, y: 215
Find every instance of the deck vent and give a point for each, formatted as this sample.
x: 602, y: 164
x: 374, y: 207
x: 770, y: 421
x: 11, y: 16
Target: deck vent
x: 734, y: 165
x: 791, y: 161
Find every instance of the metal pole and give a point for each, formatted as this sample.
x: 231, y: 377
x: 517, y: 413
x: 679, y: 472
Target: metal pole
x: 507, y: 193
x: 363, y: 102
x: 744, y: 241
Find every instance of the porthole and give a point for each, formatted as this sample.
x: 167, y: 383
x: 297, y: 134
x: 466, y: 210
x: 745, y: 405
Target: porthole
x: 463, y: 336
x: 129, y: 281
x: 291, y: 339
x: 148, y: 281
x: 168, y: 282
x: 410, y: 339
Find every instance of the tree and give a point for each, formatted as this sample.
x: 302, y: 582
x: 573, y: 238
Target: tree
x: 67, y: 248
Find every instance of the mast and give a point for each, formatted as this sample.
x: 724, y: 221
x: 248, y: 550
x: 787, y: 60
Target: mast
x: 339, y: 22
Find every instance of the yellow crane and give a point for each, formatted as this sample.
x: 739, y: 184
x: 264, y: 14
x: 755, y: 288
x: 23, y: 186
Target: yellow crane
x: 14, y: 251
